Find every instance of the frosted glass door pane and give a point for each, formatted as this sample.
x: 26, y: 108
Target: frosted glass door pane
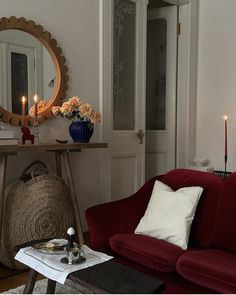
x: 156, y: 75
x: 124, y: 65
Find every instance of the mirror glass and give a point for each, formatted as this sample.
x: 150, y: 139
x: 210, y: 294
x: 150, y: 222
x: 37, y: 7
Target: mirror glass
x: 31, y: 64
x: 29, y: 69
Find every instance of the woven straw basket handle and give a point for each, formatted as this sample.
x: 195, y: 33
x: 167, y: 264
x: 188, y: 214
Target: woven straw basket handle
x: 33, y: 168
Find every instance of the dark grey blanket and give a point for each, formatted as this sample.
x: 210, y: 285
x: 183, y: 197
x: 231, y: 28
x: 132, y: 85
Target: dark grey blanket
x: 112, y: 277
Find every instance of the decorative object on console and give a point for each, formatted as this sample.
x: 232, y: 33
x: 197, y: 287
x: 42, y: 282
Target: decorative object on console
x: 169, y: 213
x: 61, y: 141
x: 34, y: 138
x: 41, y: 106
x: 34, y: 109
x: 26, y: 135
x: 80, y: 131
x: 23, y: 104
x: 36, y: 131
x: 83, y: 118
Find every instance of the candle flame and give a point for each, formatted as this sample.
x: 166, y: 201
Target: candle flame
x: 35, y: 98
x: 225, y: 117
x: 23, y: 100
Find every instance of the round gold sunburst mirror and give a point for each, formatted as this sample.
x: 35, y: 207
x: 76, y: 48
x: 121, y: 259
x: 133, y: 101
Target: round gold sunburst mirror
x: 31, y: 64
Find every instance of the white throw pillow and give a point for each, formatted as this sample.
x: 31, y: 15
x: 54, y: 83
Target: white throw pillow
x: 169, y: 213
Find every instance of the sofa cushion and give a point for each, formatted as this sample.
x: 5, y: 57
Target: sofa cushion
x: 169, y: 214
x: 203, y: 224
x: 213, y: 269
x: 150, y: 252
x: 225, y: 226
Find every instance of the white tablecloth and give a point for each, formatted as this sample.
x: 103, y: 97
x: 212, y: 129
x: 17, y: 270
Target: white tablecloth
x: 51, y: 266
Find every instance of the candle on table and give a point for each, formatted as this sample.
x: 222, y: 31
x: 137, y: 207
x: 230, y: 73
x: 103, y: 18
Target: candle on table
x: 226, y: 137
x: 36, y: 106
x: 23, y: 104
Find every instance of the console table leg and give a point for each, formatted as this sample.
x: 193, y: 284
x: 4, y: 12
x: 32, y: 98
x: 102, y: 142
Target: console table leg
x: 74, y: 199
x: 29, y: 286
x: 58, y: 163
x: 3, y: 165
x: 51, y: 287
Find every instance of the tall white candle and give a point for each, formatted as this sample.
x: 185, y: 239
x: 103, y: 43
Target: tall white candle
x: 36, y: 106
x: 23, y: 103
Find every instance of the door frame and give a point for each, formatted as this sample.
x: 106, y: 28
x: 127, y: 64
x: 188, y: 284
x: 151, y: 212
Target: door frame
x: 186, y: 86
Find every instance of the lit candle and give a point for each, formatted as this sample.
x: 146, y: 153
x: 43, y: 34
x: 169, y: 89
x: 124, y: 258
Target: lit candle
x: 36, y: 106
x: 23, y: 103
x: 226, y: 139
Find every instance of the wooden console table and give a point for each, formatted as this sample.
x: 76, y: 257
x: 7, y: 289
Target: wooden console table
x: 61, y: 151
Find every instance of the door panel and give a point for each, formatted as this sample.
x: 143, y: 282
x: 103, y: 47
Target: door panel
x: 128, y: 96
x: 124, y: 65
x: 124, y: 167
x: 161, y: 90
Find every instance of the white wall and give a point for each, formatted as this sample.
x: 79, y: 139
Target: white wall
x: 75, y: 25
x: 216, y: 84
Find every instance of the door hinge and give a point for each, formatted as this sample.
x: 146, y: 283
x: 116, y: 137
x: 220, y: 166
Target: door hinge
x: 178, y: 28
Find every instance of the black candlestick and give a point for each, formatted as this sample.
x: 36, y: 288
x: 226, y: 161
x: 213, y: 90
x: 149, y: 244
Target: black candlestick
x: 226, y: 158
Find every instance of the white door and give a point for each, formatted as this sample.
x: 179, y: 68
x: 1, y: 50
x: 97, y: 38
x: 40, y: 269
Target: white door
x: 161, y: 90
x: 129, y: 71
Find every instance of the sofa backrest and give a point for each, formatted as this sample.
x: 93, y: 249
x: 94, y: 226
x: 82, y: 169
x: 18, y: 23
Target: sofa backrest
x: 203, y: 224
x: 225, y: 225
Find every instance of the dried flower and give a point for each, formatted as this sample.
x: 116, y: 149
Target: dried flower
x: 74, y: 109
x: 42, y: 104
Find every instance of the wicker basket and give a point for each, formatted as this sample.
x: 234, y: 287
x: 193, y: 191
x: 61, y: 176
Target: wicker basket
x: 35, y: 209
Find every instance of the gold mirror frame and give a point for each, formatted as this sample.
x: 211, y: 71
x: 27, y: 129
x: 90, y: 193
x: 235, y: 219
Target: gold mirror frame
x: 59, y: 61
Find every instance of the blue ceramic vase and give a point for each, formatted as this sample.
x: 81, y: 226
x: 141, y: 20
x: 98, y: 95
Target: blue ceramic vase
x: 81, y: 131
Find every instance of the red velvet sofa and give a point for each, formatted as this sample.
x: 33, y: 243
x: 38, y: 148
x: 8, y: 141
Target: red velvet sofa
x: 209, y: 263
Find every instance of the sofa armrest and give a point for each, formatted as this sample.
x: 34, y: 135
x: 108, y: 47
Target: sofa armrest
x: 120, y: 216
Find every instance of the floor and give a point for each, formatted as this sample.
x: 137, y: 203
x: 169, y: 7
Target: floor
x: 10, y: 279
